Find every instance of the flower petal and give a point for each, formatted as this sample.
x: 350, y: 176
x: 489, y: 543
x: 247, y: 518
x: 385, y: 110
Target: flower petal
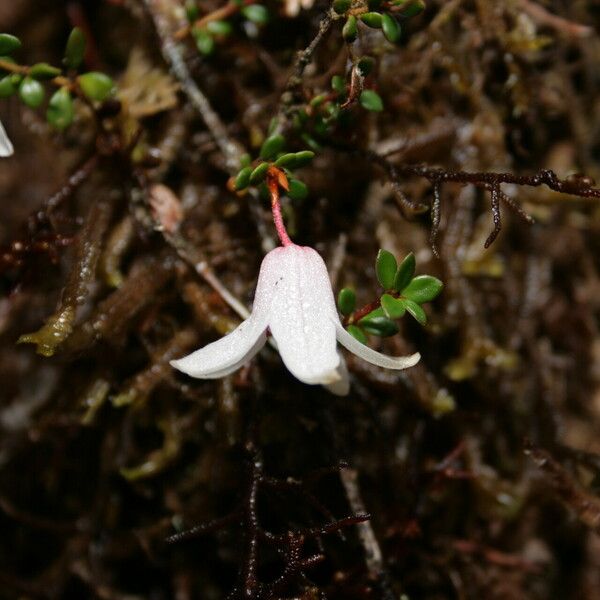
x: 301, y: 315
x: 372, y: 356
x: 6, y: 148
x: 341, y: 387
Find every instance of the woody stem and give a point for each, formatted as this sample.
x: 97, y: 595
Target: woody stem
x: 273, y: 185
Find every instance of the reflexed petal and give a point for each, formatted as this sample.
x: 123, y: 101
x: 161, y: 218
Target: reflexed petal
x: 302, y: 313
x: 372, y: 356
x: 341, y: 387
x: 225, y: 355
x: 6, y: 148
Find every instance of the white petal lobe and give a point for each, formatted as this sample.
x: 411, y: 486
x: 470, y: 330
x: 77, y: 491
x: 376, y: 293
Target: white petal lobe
x: 301, y: 314
x: 225, y: 355
x: 372, y: 356
x: 6, y: 147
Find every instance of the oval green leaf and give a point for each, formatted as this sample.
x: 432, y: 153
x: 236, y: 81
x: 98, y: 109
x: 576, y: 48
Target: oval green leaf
x: 9, y: 43
x: 423, y: 288
x: 43, y: 71
x: 405, y: 273
x: 31, y: 92
x: 394, y: 308
x: 286, y: 160
x: 371, y: 100
x: 7, y: 86
x: 303, y: 158
x: 60, y: 113
x: 416, y: 311
x: 259, y: 173
x: 350, y: 29
x: 391, y: 28
x: 298, y: 190
x: 385, y: 268
x: 204, y: 41
x: 371, y: 19
x: 346, y: 301
x: 96, y: 86
x: 381, y: 326
x: 221, y: 28
x: 256, y: 13
x: 357, y: 333
x: 341, y: 6
x: 242, y: 179
x: 75, y: 49
x: 272, y: 146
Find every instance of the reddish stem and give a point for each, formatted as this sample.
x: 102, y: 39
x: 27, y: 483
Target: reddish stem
x: 273, y: 182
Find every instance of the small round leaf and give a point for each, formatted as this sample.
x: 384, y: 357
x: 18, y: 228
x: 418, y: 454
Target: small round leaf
x: 96, y: 86
x: 9, y: 43
x: 371, y: 19
x: 221, y: 28
x: 350, y: 29
x: 346, y: 301
x: 341, y: 6
x: 298, y: 190
x: 256, y: 13
x: 60, y: 111
x: 394, y: 308
x: 303, y: 158
x: 7, y: 86
x: 75, y: 49
x: 371, y: 100
x: 416, y: 311
x: 385, y: 267
x: 391, y: 28
x: 405, y: 273
x: 381, y: 326
x: 272, y: 146
x: 357, y: 333
x: 286, y: 160
x: 259, y: 173
x: 242, y: 179
x: 423, y: 288
x: 31, y: 92
x: 204, y: 41
x: 43, y: 71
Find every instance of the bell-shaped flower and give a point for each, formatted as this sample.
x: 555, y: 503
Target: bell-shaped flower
x: 294, y: 302
x: 6, y: 148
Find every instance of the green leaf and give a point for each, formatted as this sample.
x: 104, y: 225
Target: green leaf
x: 371, y: 19
x: 385, y: 267
x: 298, y: 190
x: 410, y: 8
x: 346, y: 301
x: 357, y: 333
x: 242, y: 179
x: 416, y: 311
x: 338, y: 84
x: 191, y: 10
x: 75, y: 49
x: 96, y: 86
x: 350, y: 29
x: 43, y: 71
x: 286, y: 160
x: 303, y: 158
x: 391, y: 28
x: 341, y: 6
x: 245, y: 160
x: 204, y: 41
x: 381, y: 326
x: 394, y: 308
x: 378, y: 312
x: 371, y: 100
x: 60, y: 113
x: 256, y: 13
x: 405, y: 273
x: 31, y: 92
x: 9, y: 43
x: 272, y: 146
x: 259, y: 173
x: 423, y: 288
x: 7, y: 86
x: 365, y: 65
x: 221, y: 28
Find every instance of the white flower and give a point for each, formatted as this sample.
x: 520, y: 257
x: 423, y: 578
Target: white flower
x: 294, y: 301
x: 6, y: 148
